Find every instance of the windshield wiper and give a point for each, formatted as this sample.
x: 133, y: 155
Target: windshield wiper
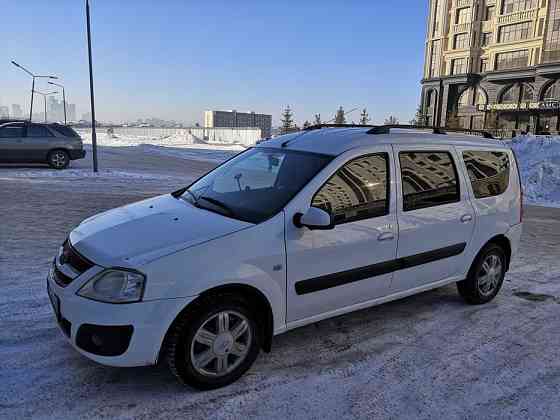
x: 215, y: 202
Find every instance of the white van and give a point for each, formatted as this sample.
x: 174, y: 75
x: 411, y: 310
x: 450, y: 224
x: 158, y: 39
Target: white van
x: 300, y: 228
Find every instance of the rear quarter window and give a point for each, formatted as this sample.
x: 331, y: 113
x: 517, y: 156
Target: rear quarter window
x: 64, y: 130
x: 488, y: 172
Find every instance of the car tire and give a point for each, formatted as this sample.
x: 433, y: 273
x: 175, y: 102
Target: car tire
x: 485, y: 277
x: 207, y: 350
x: 58, y: 159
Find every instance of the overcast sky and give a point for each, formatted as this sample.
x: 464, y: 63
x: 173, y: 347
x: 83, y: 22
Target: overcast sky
x: 173, y: 59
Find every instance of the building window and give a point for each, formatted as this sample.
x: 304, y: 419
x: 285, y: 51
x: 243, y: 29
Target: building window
x: 509, y: 96
x: 490, y: 12
x: 459, y: 66
x: 485, y: 39
x: 461, y: 41
x: 435, y: 59
x: 512, y: 60
x: 488, y: 172
x: 463, y: 15
x: 480, y: 97
x: 551, y: 50
x: 435, y: 31
x: 552, y: 92
x: 359, y: 190
x: 511, y: 6
x: 526, y: 93
x: 428, y: 179
x: 515, y: 32
x: 484, y: 65
x: 464, y: 99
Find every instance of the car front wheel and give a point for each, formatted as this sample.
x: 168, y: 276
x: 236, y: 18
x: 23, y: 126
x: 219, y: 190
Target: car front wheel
x: 214, y: 343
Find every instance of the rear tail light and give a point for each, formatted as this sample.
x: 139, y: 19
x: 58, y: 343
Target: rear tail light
x: 520, y: 188
x: 520, y: 204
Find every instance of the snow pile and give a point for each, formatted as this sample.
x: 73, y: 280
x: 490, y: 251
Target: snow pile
x: 539, y: 164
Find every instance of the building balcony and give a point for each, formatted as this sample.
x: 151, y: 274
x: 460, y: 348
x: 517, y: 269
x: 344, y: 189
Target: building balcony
x: 461, y: 27
x: 518, y: 17
x: 463, y: 3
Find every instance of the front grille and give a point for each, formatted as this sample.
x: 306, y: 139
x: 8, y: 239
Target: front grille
x: 70, y: 256
x: 60, y: 278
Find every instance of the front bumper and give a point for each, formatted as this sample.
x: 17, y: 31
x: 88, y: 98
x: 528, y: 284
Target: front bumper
x: 112, y: 334
x: 77, y: 154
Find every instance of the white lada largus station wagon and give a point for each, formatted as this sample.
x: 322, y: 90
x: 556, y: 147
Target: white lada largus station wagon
x: 300, y: 228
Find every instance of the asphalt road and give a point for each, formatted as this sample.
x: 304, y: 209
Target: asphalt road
x: 426, y: 356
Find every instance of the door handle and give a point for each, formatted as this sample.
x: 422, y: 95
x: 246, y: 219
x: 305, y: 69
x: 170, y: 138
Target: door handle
x: 466, y: 218
x: 386, y: 236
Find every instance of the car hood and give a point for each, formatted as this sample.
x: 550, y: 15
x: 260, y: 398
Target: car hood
x: 138, y: 233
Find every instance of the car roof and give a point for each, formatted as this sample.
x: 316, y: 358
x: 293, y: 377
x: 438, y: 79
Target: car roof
x: 335, y: 141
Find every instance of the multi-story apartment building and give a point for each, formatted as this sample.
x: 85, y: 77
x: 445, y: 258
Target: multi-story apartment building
x: 493, y: 64
x: 17, y: 112
x: 234, y: 119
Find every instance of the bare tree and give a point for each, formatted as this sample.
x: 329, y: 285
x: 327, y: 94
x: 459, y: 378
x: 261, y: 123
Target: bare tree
x: 340, y: 117
x: 364, y: 117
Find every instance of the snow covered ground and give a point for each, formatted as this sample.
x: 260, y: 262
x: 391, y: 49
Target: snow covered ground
x: 426, y: 356
x: 183, y: 146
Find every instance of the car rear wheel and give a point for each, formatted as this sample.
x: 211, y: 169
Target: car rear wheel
x: 214, y: 343
x: 58, y: 159
x: 486, y: 276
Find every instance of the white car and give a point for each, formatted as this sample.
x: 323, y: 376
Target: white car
x: 301, y: 228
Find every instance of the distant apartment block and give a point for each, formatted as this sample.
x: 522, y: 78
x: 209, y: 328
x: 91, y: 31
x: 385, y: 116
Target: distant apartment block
x: 4, y: 112
x: 56, y: 110
x: 17, y: 112
x: 234, y: 119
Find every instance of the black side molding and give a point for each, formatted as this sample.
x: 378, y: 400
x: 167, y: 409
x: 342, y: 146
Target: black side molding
x: 344, y: 277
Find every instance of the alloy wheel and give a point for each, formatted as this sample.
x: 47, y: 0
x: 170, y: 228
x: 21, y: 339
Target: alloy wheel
x: 490, y: 275
x: 58, y: 159
x: 221, y: 344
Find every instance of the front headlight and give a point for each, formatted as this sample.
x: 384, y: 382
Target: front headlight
x: 115, y: 285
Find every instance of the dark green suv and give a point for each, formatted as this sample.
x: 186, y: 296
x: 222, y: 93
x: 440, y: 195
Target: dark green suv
x: 55, y: 144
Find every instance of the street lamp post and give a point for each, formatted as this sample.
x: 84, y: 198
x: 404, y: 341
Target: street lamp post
x: 34, y: 76
x: 63, y: 98
x: 45, y: 100
x: 93, y: 132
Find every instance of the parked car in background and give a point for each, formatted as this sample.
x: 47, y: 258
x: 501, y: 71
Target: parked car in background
x: 301, y: 228
x: 54, y: 144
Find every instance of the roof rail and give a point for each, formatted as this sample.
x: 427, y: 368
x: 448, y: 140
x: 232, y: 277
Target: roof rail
x: 319, y: 126
x: 384, y: 129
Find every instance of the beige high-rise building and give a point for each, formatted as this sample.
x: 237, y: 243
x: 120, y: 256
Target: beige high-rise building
x: 493, y: 64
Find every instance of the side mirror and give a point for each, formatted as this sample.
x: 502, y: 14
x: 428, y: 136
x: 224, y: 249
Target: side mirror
x: 314, y: 219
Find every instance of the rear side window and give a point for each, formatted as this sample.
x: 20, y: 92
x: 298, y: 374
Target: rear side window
x: 359, y: 190
x: 428, y: 179
x: 488, y: 172
x: 11, y: 131
x: 38, y: 131
x: 64, y: 130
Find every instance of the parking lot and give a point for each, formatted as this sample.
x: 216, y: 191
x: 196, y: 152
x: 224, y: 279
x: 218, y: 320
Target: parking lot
x: 426, y: 356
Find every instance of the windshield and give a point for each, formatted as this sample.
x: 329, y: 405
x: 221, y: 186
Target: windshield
x: 256, y: 184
